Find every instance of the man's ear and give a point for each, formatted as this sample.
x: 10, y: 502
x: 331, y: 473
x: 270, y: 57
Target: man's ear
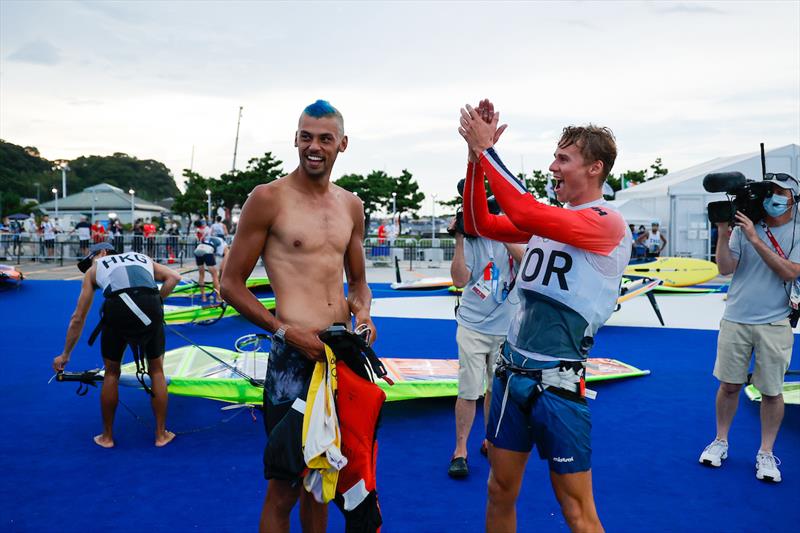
x: 296, y: 133
x: 596, y: 169
x: 343, y: 144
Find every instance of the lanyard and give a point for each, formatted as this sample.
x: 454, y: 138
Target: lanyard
x: 491, y: 273
x: 774, y: 241
x: 794, y: 293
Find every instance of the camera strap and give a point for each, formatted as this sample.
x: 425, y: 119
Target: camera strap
x: 794, y: 295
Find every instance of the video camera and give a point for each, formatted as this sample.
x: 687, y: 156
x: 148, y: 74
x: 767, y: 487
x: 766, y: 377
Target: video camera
x: 494, y: 208
x: 744, y: 195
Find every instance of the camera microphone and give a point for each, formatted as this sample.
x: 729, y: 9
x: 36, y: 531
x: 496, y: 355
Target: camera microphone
x: 723, y: 181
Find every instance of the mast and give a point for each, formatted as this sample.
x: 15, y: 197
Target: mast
x: 236, y: 143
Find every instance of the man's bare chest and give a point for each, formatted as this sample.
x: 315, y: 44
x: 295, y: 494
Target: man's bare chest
x: 312, y: 230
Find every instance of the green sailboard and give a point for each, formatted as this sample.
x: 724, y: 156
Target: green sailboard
x: 192, y: 372
x: 176, y: 314
x: 191, y: 289
x: 791, y: 392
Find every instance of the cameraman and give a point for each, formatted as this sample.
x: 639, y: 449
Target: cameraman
x: 765, y: 261
x: 485, y: 269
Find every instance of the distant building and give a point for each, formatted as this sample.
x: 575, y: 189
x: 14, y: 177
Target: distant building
x: 100, y: 202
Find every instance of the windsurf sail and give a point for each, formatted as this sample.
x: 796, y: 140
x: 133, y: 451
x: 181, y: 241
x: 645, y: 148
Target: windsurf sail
x: 204, y: 314
x: 188, y: 288
x: 237, y: 377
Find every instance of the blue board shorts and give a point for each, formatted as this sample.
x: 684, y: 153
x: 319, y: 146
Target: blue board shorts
x: 560, y: 428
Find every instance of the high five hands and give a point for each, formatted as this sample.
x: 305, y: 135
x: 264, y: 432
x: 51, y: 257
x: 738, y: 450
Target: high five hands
x: 479, y: 127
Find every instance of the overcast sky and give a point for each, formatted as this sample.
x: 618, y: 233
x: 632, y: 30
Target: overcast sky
x: 685, y: 81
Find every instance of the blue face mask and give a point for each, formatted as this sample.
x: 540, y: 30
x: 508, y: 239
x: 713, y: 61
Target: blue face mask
x: 776, y: 205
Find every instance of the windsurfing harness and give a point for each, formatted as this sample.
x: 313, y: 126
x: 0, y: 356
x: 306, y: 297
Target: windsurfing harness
x: 339, y: 445
x: 567, y: 380
x: 570, y: 275
x: 123, y: 276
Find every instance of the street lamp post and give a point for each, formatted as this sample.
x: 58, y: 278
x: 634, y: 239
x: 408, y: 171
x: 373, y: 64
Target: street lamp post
x: 55, y: 197
x: 433, y: 218
x: 132, y: 192
x: 64, y: 168
x: 94, y: 201
x: 208, y: 196
x: 394, y: 214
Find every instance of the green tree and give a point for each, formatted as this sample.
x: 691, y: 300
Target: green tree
x: 21, y: 168
x: 658, y: 169
x: 194, y: 199
x: 233, y: 188
x: 630, y: 178
x: 152, y: 179
x: 409, y: 198
x: 372, y: 190
x: 451, y: 206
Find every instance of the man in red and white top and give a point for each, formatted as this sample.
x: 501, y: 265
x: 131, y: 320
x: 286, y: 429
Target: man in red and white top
x: 568, y: 285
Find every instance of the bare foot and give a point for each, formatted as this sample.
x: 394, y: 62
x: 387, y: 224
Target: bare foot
x: 105, y: 442
x: 165, y: 438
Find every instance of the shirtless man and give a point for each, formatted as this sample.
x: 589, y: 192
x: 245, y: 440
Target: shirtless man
x: 308, y: 232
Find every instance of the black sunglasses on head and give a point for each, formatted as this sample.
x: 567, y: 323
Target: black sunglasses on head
x: 781, y: 176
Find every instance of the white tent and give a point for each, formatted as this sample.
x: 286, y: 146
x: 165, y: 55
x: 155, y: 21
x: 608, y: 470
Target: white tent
x: 633, y: 212
x: 679, y: 200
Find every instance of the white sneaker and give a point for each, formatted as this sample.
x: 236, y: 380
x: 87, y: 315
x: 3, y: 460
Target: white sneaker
x: 715, y: 453
x: 767, y: 467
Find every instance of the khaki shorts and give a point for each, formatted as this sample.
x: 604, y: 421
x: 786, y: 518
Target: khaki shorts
x: 477, y: 356
x: 773, y: 347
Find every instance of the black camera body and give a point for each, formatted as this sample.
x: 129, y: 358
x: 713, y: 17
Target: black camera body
x: 494, y: 208
x: 744, y: 195
x: 459, y: 225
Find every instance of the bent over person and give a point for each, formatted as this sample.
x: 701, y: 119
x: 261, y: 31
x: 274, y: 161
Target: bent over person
x: 133, y: 314
x: 568, y: 285
x: 309, y: 233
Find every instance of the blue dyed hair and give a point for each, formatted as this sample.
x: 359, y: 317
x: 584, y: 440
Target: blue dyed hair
x: 323, y: 108
x: 320, y: 108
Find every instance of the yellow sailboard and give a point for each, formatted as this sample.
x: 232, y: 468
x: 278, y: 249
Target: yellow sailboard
x: 675, y: 271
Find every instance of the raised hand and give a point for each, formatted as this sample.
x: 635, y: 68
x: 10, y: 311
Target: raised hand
x: 485, y: 113
x: 486, y: 110
x: 479, y: 134
x: 747, y: 226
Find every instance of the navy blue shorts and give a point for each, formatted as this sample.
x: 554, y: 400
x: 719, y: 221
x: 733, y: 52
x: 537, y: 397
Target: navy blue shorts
x: 560, y: 428
x: 207, y: 260
x: 285, y: 390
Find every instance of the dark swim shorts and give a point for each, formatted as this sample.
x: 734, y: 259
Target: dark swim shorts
x: 120, y: 325
x: 207, y: 260
x: 285, y: 390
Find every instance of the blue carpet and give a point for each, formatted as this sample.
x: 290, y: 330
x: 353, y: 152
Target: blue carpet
x: 648, y: 433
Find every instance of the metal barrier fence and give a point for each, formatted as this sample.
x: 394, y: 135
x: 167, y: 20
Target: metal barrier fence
x: 177, y: 249
x: 423, y: 251
x: 162, y: 248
